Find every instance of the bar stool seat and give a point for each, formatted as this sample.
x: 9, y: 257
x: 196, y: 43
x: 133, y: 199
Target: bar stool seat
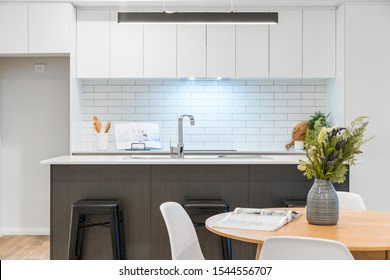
x: 78, y: 223
x: 209, y: 207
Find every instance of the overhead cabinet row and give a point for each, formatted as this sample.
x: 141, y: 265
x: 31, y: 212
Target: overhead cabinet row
x: 302, y: 44
x: 36, y: 28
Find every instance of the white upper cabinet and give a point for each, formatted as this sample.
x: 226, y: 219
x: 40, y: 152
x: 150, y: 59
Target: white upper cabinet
x: 93, y: 44
x: 319, y: 43
x: 221, y: 50
x: 49, y: 28
x: 286, y: 45
x: 126, y: 49
x: 13, y: 28
x: 191, y: 50
x: 251, y: 51
x: 160, y: 50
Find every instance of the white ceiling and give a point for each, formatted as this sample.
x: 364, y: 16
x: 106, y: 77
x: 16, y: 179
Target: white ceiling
x: 199, y: 4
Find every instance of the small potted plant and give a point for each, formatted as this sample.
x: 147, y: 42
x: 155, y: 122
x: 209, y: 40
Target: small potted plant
x: 328, y: 155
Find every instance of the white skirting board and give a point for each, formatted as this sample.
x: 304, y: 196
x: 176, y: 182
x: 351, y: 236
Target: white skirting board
x: 24, y: 231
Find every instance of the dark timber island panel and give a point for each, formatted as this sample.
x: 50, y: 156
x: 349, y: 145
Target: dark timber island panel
x: 142, y: 188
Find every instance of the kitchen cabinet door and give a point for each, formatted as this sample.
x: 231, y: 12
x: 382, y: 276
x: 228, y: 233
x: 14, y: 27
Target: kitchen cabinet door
x: 49, y: 28
x: 126, y: 49
x: 160, y: 50
x: 286, y: 45
x: 13, y: 28
x: 221, y: 50
x: 319, y: 44
x: 93, y: 34
x: 191, y: 50
x: 251, y: 51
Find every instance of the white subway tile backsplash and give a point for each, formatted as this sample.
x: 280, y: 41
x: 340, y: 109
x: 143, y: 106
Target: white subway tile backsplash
x: 273, y: 131
x: 218, y: 88
x: 259, y: 138
x: 261, y: 110
x: 246, y: 117
x: 232, y: 110
x: 320, y: 103
x: 246, y: 131
x: 301, y: 88
x: 246, y: 88
x: 121, y: 95
x: 106, y: 102
x: 246, y: 103
x: 163, y: 89
x: 218, y: 117
x: 259, y: 82
x: 121, y: 82
x: 108, y: 88
x: 273, y: 88
x: 143, y: 110
x: 302, y: 103
x: 121, y: 110
x: 314, y: 95
x: 135, y: 117
x: 273, y: 103
x: 287, y: 82
x: 237, y: 114
x: 321, y: 89
x: 312, y: 82
x: 94, y: 110
x: 259, y: 95
x: 135, y: 88
x: 273, y: 117
x: 218, y: 130
x: 296, y: 110
x: 88, y: 89
x: 94, y: 95
x: 288, y: 95
x: 94, y: 82
x: 136, y: 103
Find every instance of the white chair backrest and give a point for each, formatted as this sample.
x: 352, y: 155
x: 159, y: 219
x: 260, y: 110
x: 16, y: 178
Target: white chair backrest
x: 182, y: 235
x: 303, y: 248
x: 348, y: 200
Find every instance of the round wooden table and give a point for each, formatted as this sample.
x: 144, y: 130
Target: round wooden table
x: 365, y: 233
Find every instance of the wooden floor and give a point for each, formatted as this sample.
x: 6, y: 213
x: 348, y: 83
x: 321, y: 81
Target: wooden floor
x: 25, y: 247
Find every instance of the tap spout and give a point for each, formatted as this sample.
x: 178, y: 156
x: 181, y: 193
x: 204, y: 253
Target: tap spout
x: 180, y: 143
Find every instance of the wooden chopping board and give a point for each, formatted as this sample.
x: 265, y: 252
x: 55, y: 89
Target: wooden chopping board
x: 299, y: 133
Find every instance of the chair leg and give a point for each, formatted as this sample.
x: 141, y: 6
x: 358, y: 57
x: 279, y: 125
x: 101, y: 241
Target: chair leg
x: 74, y: 225
x: 226, y: 248
x: 80, y: 237
x: 115, y: 237
x: 122, y: 236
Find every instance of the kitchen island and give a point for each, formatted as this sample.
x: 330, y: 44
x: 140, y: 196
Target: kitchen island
x: 143, y: 182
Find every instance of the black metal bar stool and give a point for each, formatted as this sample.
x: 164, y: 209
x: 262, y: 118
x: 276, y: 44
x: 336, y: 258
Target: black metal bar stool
x: 78, y: 223
x: 209, y: 207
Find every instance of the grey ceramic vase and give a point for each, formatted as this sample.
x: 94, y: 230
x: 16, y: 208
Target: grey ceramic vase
x: 322, y: 204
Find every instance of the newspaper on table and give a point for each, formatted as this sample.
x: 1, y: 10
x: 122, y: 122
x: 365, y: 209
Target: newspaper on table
x: 258, y: 219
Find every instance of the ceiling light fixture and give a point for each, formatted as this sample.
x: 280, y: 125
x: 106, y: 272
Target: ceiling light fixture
x: 166, y: 17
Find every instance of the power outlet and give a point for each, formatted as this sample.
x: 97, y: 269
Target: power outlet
x: 39, y: 67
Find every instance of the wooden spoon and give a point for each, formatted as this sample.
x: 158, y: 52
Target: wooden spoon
x: 97, y: 124
x: 108, y: 125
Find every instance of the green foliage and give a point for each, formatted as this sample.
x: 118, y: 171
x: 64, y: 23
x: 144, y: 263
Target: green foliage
x: 331, y: 149
x: 316, y: 123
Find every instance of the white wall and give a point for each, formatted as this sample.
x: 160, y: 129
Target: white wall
x: 367, y: 92
x: 35, y: 124
x: 239, y: 114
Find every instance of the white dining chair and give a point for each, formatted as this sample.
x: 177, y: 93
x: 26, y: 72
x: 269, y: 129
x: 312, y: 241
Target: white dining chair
x: 182, y: 235
x: 303, y: 248
x: 348, y: 200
